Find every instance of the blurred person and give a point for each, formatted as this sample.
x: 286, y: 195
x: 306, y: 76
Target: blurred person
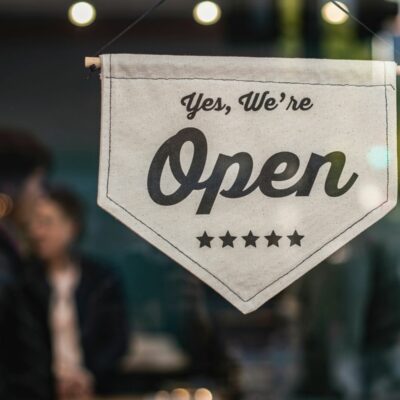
x: 24, y: 368
x: 79, y: 302
x: 350, y: 321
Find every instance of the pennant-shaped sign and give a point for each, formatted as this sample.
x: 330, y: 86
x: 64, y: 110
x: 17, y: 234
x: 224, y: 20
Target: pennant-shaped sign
x: 247, y: 172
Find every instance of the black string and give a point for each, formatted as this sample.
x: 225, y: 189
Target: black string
x: 160, y: 2
x: 130, y: 26
x: 366, y: 27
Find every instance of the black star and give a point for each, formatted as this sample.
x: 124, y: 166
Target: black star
x: 205, y: 240
x: 295, y: 239
x: 250, y: 239
x: 273, y: 239
x: 227, y: 240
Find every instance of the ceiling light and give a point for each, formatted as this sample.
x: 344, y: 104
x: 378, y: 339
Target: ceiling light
x: 82, y: 14
x: 207, y: 13
x: 332, y: 14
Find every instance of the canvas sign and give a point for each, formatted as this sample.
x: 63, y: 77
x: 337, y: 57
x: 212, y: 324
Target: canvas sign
x: 246, y: 171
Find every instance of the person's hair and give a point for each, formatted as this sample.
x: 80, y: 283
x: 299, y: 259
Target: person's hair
x: 20, y: 155
x: 70, y: 205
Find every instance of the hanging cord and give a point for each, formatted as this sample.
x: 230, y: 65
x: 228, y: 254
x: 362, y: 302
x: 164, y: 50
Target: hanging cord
x: 366, y: 27
x: 93, y: 67
x: 130, y: 26
x: 161, y: 2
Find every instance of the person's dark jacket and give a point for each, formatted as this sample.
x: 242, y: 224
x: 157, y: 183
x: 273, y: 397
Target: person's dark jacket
x: 101, y: 311
x: 350, y: 323
x: 25, y: 372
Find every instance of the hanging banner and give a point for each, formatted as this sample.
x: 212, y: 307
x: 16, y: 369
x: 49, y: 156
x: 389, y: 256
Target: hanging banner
x: 247, y: 172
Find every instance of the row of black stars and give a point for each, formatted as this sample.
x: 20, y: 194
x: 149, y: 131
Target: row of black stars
x: 250, y: 239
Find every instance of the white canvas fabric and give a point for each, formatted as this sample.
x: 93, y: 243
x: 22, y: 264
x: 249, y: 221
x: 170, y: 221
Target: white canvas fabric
x: 247, y: 171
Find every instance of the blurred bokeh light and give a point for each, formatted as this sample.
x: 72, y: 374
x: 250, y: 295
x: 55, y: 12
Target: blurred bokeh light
x: 378, y: 157
x: 332, y: 14
x: 6, y: 205
x: 207, y: 13
x: 82, y: 14
x: 203, y: 394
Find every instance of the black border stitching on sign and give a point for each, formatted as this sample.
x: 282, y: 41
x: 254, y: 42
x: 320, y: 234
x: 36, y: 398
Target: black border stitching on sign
x: 245, y: 80
x: 310, y: 255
